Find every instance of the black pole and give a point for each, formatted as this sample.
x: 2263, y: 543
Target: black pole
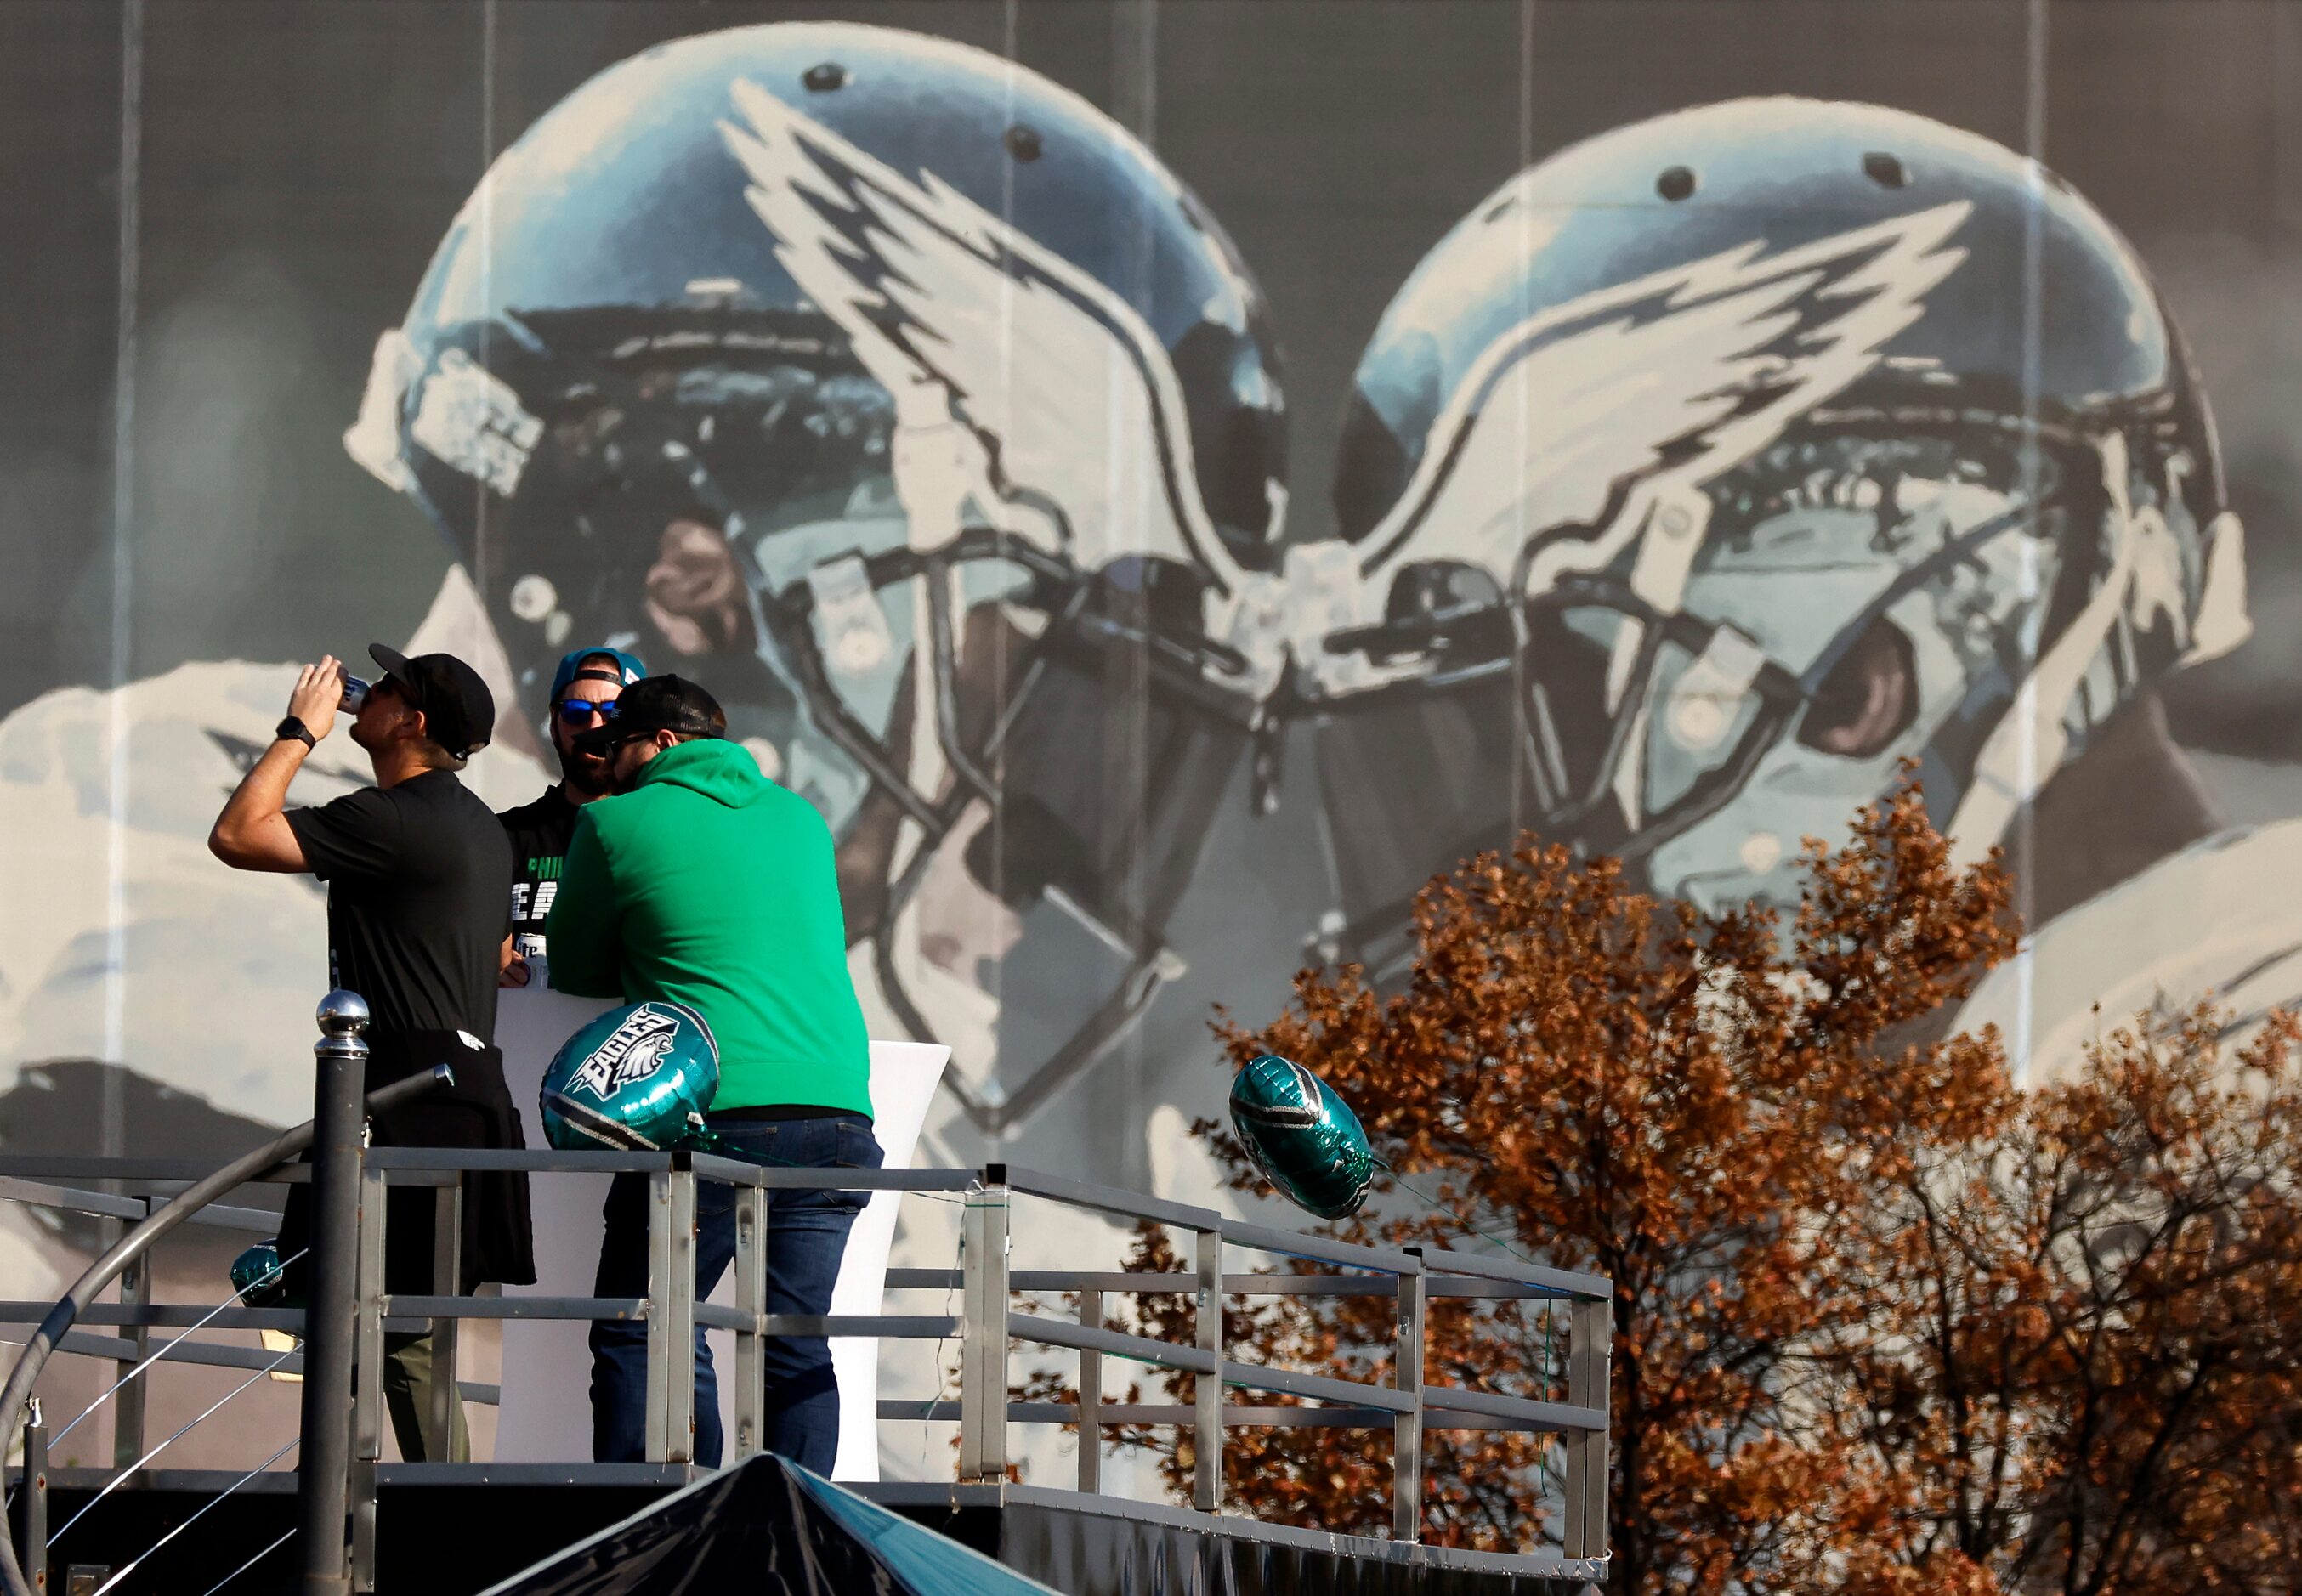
x: 35, y: 1498
x: 324, y: 1471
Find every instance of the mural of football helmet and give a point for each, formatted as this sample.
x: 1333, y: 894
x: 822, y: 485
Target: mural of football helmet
x: 1717, y: 464
x: 908, y: 401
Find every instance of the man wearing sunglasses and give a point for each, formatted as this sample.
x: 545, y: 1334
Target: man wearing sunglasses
x: 584, y: 691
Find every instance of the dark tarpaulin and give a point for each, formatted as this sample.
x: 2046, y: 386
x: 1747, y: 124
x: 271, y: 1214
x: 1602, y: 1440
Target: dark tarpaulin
x: 1099, y: 1554
x: 767, y: 1528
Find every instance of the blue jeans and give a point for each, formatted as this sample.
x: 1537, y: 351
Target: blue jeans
x: 807, y: 1232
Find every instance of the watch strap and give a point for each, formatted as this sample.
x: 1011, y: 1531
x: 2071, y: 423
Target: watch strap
x: 292, y: 727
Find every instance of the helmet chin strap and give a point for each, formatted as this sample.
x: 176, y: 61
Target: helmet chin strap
x: 2029, y: 744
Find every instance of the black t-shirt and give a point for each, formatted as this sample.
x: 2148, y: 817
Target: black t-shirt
x: 418, y: 877
x: 539, y: 833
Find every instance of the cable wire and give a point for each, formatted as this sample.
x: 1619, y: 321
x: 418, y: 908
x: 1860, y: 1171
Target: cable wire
x: 195, y: 1518
x: 251, y: 1563
x: 166, y: 1347
x: 122, y: 1477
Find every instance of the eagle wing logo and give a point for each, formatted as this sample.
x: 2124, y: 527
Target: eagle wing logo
x: 1028, y: 396
x: 1675, y: 377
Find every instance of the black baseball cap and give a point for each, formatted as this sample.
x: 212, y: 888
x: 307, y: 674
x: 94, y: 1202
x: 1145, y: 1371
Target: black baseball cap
x: 460, y: 712
x: 655, y: 704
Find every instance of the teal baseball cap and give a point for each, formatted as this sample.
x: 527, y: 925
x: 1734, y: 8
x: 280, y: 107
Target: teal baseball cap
x: 631, y: 666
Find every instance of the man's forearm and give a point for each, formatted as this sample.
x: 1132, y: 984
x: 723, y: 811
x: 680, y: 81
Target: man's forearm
x: 253, y: 833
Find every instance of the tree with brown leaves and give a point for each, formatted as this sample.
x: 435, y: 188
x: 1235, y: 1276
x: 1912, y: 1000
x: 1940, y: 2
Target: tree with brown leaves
x: 1882, y: 1322
x: 1693, y: 1105
x: 2083, y: 1363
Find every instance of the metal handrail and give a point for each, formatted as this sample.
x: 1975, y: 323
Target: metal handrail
x: 1409, y: 1405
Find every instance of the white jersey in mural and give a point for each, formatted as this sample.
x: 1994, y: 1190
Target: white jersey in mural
x: 2219, y: 920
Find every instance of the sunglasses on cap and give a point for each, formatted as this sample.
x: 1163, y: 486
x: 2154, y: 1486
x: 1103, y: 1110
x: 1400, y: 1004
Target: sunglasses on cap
x: 579, y: 712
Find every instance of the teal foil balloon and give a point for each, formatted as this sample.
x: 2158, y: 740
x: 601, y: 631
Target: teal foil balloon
x: 257, y: 1276
x: 1304, y: 1140
x: 637, y: 1079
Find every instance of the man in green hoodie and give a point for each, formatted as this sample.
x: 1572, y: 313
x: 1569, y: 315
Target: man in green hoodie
x: 703, y: 883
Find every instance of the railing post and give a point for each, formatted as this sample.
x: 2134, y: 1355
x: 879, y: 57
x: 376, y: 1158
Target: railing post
x: 36, y: 1496
x: 1090, y: 1396
x: 1407, y: 1428
x: 671, y: 1313
x: 323, y: 1470
x: 1206, y: 1432
x: 983, y: 1345
x: 367, y: 1377
x: 446, y: 1280
x: 129, y: 1402
x: 750, y: 1373
x: 1590, y: 1357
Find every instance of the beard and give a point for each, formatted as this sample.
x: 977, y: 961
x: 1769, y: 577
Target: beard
x: 584, y: 773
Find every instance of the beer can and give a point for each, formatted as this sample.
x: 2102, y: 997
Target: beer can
x: 355, y: 694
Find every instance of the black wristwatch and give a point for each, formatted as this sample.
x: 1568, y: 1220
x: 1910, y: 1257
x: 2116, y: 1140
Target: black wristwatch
x: 293, y: 727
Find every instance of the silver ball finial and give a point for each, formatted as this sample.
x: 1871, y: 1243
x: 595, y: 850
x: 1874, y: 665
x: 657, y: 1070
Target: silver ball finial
x: 341, y: 1014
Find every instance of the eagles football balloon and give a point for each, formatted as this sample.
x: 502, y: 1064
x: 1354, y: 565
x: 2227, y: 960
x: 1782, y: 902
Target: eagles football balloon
x: 1304, y: 1138
x: 637, y: 1079
x: 257, y: 1276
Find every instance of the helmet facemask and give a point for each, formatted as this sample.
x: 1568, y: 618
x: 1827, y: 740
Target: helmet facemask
x: 1757, y: 660
x: 1039, y: 781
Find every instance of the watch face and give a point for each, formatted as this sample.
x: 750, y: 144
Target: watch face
x: 293, y: 727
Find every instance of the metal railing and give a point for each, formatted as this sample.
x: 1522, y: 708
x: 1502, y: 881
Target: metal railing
x: 989, y: 1322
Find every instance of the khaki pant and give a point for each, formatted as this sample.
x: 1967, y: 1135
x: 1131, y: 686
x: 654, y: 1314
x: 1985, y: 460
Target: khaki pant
x: 408, y: 1379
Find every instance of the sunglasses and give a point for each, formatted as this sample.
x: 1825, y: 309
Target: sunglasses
x: 579, y: 712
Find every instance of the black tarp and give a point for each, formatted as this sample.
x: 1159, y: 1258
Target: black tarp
x: 768, y: 1528
x: 1114, y: 1554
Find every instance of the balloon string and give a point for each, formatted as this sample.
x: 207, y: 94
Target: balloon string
x: 1447, y: 1213
x: 1549, y: 1316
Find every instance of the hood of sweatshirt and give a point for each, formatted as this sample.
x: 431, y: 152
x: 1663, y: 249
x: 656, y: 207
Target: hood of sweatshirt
x: 724, y: 772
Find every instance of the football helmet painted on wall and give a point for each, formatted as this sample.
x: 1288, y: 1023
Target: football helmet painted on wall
x: 1715, y: 464
x: 909, y: 402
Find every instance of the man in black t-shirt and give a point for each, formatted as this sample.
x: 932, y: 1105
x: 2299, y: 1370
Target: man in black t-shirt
x: 419, y: 882
x: 584, y: 692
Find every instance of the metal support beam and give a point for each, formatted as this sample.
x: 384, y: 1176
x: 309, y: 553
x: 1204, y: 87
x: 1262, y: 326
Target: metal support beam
x: 1406, y: 1425
x: 671, y: 1316
x: 1207, y: 1431
x: 1091, y: 1402
x: 679, y: 1332
x: 750, y: 1371
x: 983, y: 1348
x: 324, y: 1468
x: 446, y: 1280
x: 367, y: 1361
x: 127, y: 1404
x: 1590, y: 1358
x: 367, y: 1377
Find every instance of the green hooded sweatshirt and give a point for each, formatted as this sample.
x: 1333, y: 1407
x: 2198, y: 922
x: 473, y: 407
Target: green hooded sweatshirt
x: 709, y: 885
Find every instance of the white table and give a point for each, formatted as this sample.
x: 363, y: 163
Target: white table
x: 546, y: 1417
